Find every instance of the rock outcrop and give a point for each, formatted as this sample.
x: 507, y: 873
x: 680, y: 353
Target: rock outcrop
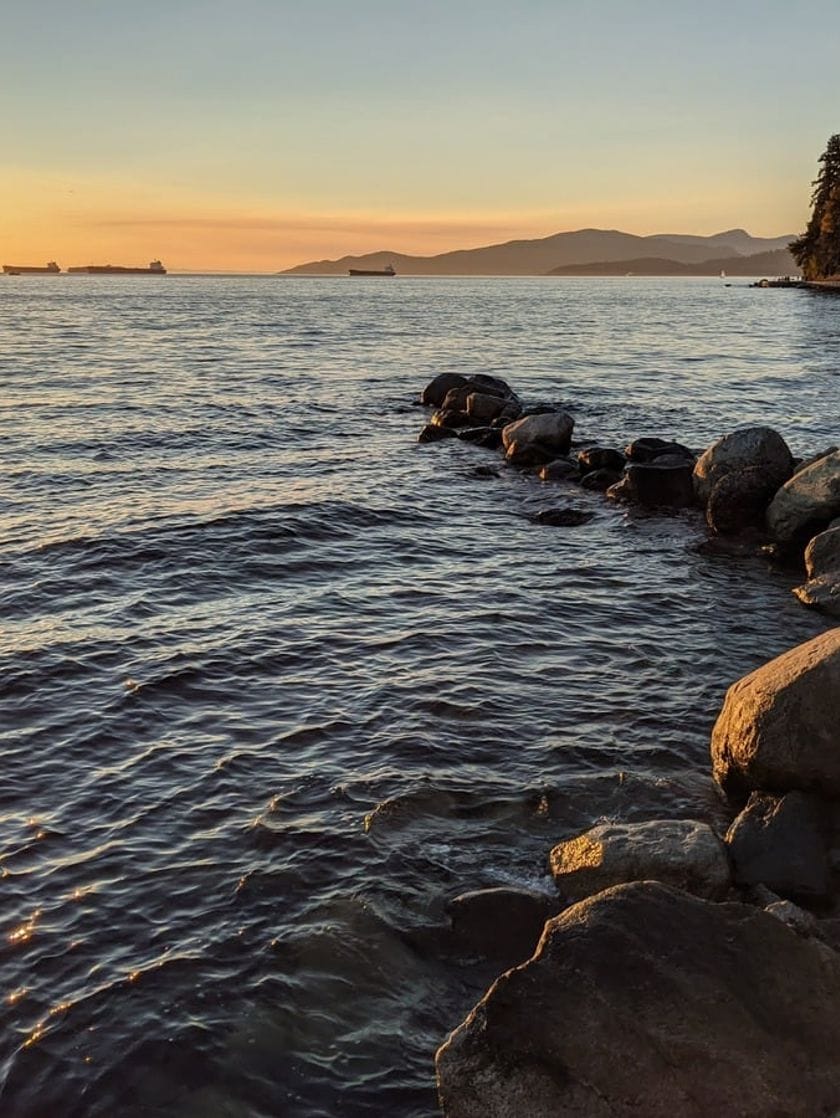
x: 644, y: 1000
x: 779, y: 728
x: 680, y: 852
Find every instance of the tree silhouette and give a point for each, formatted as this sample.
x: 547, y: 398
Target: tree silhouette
x: 817, y: 251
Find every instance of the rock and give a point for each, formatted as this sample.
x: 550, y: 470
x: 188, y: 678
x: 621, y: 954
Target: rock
x: 561, y: 469
x: 645, y: 1002
x: 481, y: 436
x: 681, y: 852
x: 482, y: 407
x: 747, y: 448
x: 492, y: 386
x: 796, y: 918
x: 654, y: 485
x: 563, y: 518
x: 648, y: 449
x: 536, y: 439
x: 600, y: 458
x: 447, y: 417
x: 433, y: 433
x: 823, y: 553
x: 822, y: 593
x: 739, y: 500
x: 780, y: 842
x: 435, y: 391
x: 804, y: 463
x: 600, y: 480
x: 502, y: 923
x: 809, y: 499
x: 779, y: 728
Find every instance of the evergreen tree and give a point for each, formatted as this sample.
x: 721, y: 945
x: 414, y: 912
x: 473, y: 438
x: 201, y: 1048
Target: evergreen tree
x: 817, y: 251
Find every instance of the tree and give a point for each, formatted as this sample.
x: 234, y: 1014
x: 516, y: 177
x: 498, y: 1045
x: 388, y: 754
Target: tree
x: 817, y: 251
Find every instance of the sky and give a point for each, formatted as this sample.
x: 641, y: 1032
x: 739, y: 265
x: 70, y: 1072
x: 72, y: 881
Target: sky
x: 252, y: 135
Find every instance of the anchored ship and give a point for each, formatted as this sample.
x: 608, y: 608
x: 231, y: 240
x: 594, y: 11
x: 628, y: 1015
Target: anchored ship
x: 52, y: 269
x: 388, y: 270
x: 154, y: 269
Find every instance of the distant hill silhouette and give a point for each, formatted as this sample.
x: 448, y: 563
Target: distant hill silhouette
x: 778, y: 263
x: 543, y: 255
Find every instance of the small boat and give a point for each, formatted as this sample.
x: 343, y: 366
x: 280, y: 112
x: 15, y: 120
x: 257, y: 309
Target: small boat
x: 52, y: 269
x: 388, y: 270
x: 154, y: 269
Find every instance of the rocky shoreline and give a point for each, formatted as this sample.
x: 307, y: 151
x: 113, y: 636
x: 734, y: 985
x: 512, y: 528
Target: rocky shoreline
x: 677, y: 970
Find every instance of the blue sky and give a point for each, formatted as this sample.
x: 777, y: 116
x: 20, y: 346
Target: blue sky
x: 276, y: 127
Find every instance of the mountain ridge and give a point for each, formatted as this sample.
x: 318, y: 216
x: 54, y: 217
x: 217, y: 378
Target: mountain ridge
x: 540, y: 256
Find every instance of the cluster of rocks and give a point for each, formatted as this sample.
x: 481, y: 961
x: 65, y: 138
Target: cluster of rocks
x: 686, y: 972
x: 746, y: 483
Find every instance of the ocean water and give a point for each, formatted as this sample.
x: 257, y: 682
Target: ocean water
x: 277, y: 682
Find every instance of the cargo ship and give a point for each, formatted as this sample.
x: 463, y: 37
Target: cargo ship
x: 52, y: 269
x: 154, y: 269
x: 388, y: 270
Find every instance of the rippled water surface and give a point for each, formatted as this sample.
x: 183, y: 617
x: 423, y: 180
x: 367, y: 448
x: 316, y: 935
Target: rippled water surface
x: 277, y: 682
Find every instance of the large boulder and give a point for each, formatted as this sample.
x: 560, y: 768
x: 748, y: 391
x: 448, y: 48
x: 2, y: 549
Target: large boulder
x: 483, y: 406
x: 823, y: 553
x: 808, y: 501
x: 681, y: 852
x: 536, y: 439
x: 750, y: 447
x: 663, y: 482
x: 646, y: 1002
x: 780, y: 842
x: 739, y: 500
x: 779, y: 727
x: 435, y: 391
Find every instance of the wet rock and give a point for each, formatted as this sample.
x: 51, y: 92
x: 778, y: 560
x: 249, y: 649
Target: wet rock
x: 680, y: 852
x: 600, y: 458
x: 646, y: 1001
x: 482, y: 407
x: 435, y: 391
x: 537, y: 439
x: 503, y: 923
x: 599, y: 481
x: 484, y: 472
x: 821, y: 593
x: 492, y: 386
x: 796, y: 918
x: 780, y: 842
x: 647, y: 449
x: 563, y: 517
x: 561, y: 469
x: 823, y: 553
x: 739, y: 500
x: 447, y: 417
x: 810, y: 499
x: 481, y: 436
x: 778, y: 728
x: 804, y: 463
x: 747, y: 448
x: 655, y: 485
x: 433, y: 433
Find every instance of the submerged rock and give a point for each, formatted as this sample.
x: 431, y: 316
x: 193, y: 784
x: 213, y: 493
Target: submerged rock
x: 536, y: 439
x: 501, y: 923
x: 648, y: 449
x: 681, y: 852
x: 564, y: 518
x: 600, y: 480
x: 434, y: 432
x: 779, y: 728
x: 561, y: 469
x: 780, y: 842
x: 600, y: 458
x: 646, y: 1001
x: 747, y: 448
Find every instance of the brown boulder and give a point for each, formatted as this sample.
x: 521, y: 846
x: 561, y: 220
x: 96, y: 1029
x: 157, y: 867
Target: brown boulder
x: 645, y: 1001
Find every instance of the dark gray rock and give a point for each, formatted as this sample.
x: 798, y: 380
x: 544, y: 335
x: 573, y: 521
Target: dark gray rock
x: 600, y: 480
x: 823, y: 553
x: 481, y: 436
x: 647, y: 449
x: 600, y: 458
x: 563, y: 517
x: 646, y: 1002
x: 739, y: 500
x: 481, y: 407
x: 821, y: 593
x: 749, y: 447
x: 435, y: 391
x: 433, y: 433
x: 561, y: 469
x: 808, y: 501
x: 502, y: 923
x: 655, y: 485
x: 780, y: 842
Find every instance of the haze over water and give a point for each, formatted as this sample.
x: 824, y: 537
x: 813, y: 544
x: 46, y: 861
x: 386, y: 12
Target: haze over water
x: 278, y: 682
